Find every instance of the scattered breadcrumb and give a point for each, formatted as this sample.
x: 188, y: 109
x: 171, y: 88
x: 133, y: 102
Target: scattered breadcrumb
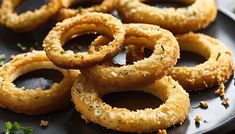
x: 162, y: 131
x: 44, y: 123
x: 114, y: 74
x: 225, y: 102
x: 197, y: 119
x: 31, y: 49
x: 12, y: 57
x: 204, y: 104
x: 220, y: 90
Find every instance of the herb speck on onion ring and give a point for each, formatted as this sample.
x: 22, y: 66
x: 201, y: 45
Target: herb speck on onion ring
x: 31, y: 101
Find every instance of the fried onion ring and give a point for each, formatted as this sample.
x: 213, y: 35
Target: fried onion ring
x: 31, y: 101
x: 87, y: 100
x: 147, y: 70
x: 217, y: 69
x: 88, y: 23
x: 178, y: 20
x: 29, y: 20
x: 106, y: 6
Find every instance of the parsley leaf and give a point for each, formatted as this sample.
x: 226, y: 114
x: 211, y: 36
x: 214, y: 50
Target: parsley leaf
x: 11, y: 128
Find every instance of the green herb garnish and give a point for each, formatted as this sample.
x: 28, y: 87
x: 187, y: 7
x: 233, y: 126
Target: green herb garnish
x: 12, y: 128
x: 62, y: 52
x: 80, y: 8
x: 2, y: 58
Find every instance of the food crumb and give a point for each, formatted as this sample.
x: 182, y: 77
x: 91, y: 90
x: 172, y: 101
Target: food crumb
x: 44, y: 123
x: 220, y: 90
x: 203, y: 104
x: 225, y: 102
x: 197, y: 119
x: 114, y: 74
x: 12, y: 56
x: 162, y: 131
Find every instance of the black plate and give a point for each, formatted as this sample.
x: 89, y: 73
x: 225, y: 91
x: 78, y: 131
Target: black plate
x: 216, y: 119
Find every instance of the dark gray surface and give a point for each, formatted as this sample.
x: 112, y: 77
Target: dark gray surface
x: 218, y: 119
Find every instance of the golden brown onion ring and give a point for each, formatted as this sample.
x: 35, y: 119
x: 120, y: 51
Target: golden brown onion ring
x: 217, y: 68
x: 29, y: 20
x: 30, y: 101
x: 84, y: 24
x: 106, y: 6
x: 145, y: 71
x: 87, y: 100
x: 178, y: 20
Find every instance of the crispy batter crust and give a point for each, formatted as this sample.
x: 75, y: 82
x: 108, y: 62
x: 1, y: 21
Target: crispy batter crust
x: 30, y: 101
x: 29, y: 20
x: 87, y: 100
x: 217, y: 68
x: 143, y: 72
x: 106, y: 6
x: 178, y: 20
x: 88, y: 23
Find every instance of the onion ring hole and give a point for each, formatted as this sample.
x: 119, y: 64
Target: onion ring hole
x: 43, y: 78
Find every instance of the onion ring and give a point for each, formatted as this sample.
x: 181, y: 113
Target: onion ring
x: 106, y: 6
x: 178, y: 20
x: 88, y: 23
x: 29, y: 20
x: 87, y: 100
x: 31, y: 101
x: 217, y: 69
x: 147, y: 70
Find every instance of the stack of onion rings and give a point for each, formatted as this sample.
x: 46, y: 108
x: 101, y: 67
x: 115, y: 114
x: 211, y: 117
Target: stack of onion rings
x: 29, y: 20
x: 165, y: 55
x: 88, y: 23
x: 217, y: 68
x: 106, y: 6
x: 31, y: 101
x: 178, y: 20
x: 87, y: 100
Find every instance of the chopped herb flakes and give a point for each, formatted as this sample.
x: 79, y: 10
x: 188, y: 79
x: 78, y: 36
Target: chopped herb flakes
x: 12, y: 128
x: 62, y: 52
x: 2, y: 58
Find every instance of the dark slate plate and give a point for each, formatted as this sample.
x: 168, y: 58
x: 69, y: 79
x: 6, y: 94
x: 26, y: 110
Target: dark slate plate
x: 216, y: 119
